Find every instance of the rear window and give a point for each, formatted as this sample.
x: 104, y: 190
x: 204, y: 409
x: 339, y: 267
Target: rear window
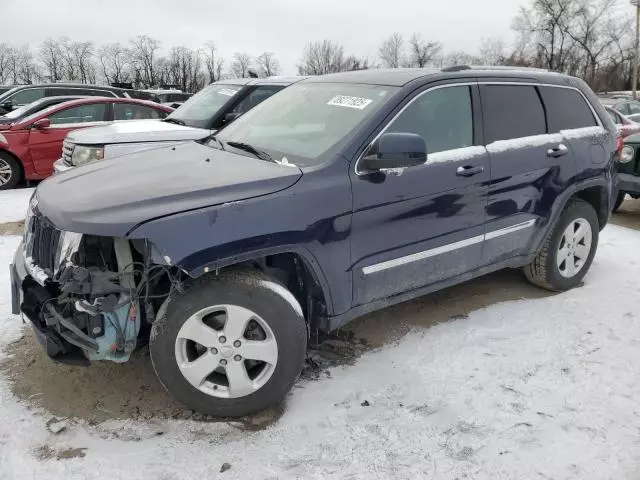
x: 566, y: 109
x: 512, y: 111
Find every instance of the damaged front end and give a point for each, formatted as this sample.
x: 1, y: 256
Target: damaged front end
x: 86, y: 295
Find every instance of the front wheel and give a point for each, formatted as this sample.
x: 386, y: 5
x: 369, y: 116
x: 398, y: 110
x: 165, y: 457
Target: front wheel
x: 231, y: 345
x: 10, y: 172
x: 568, y: 252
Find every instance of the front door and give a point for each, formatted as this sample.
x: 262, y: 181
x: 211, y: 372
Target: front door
x: 45, y: 144
x: 426, y: 224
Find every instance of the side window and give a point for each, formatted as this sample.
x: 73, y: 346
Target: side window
x: 94, y: 112
x: 614, y: 117
x: 443, y: 117
x: 634, y: 108
x: 566, y: 109
x: 256, y: 97
x: 27, y: 96
x: 511, y: 111
x: 130, y: 111
x: 623, y: 108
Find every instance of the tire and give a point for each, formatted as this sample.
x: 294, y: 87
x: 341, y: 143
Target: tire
x: 10, y: 172
x: 275, y: 316
x: 619, y: 200
x: 548, y: 269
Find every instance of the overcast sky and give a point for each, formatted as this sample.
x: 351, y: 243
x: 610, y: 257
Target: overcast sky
x: 255, y: 26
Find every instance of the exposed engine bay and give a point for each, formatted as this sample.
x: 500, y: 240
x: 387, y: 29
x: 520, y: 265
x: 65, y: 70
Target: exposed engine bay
x: 89, y: 297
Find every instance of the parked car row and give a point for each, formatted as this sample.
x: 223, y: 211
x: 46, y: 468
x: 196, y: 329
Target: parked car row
x: 334, y: 197
x: 29, y: 147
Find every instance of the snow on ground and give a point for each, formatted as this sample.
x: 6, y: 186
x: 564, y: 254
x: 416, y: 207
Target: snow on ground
x: 529, y: 389
x: 13, y: 204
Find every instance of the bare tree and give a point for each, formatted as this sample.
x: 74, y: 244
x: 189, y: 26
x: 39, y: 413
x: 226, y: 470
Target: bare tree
x: 492, y: 51
x: 25, y: 69
x: 240, y: 65
x: 115, y: 59
x: 213, y: 63
x: 183, y: 68
x: 144, y: 50
x: 268, y: 65
x: 422, y: 52
x: 322, y: 57
x: 6, y: 67
x: 391, y: 51
x: 52, y: 57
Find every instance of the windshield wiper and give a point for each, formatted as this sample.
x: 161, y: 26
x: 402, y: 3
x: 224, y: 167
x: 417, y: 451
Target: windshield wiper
x: 214, y: 139
x: 175, y: 120
x: 261, y: 154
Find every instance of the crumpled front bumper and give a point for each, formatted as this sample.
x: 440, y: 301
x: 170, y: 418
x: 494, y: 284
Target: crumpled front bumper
x: 55, y: 346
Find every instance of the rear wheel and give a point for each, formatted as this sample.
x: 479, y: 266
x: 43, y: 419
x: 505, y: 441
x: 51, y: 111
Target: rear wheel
x: 10, y: 171
x: 568, y: 252
x: 231, y: 345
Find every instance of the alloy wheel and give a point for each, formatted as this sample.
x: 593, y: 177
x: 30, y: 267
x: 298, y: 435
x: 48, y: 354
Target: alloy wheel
x: 226, y: 351
x: 5, y: 172
x: 574, y: 247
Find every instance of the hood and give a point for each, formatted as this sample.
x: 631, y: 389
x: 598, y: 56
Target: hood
x: 110, y: 198
x: 136, y: 131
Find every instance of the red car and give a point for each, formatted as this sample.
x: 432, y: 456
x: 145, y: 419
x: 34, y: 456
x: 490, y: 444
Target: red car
x: 29, y: 148
x: 625, y: 125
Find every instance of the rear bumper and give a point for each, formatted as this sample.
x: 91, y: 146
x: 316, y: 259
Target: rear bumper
x: 627, y: 182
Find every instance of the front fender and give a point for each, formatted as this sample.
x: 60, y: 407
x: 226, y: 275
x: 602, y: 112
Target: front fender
x: 312, y: 220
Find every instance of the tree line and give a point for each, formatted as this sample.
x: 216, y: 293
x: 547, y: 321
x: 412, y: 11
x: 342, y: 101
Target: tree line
x: 591, y: 39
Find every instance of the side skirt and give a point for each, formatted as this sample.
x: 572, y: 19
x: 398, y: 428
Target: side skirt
x: 332, y: 323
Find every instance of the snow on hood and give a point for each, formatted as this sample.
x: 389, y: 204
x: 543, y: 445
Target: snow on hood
x: 136, y: 131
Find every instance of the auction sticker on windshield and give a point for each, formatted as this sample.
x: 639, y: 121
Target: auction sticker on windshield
x: 350, y: 102
x: 228, y: 92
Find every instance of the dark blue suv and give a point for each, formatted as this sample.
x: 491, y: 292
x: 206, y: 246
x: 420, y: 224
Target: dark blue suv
x: 338, y: 196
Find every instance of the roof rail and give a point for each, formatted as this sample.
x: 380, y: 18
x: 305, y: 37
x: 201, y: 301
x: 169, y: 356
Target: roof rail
x: 459, y: 68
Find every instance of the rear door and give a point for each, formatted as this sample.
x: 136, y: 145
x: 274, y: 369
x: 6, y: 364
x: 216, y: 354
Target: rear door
x: 46, y: 145
x: 530, y: 165
x: 427, y: 224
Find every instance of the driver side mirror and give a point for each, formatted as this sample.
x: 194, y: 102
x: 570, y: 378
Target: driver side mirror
x: 8, y: 105
x: 41, y: 124
x: 395, y: 150
x: 230, y: 117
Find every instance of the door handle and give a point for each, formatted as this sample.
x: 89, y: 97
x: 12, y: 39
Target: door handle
x: 469, y: 171
x: 559, y: 151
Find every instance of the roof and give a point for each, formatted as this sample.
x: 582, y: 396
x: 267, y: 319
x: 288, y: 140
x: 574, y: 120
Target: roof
x: 261, y: 81
x: 399, y: 77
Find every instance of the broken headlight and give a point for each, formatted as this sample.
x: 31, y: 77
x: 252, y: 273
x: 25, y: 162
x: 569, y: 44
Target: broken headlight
x: 82, y: 154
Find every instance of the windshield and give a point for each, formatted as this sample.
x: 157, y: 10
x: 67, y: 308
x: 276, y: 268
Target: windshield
x: 8, y: 93
x: 303, y: 122
x: 199, y: 110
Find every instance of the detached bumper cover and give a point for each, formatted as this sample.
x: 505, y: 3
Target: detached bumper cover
x: 17, y: 273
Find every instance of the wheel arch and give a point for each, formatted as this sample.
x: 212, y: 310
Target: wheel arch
x: 293, y: 266
x: 596, y: 192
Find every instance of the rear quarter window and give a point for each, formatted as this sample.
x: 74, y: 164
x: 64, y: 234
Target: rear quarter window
x: 566, y: 109
x: 512, y: 111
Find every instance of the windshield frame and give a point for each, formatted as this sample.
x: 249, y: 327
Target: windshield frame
x: 215, y: 114
x: 353, y: 137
